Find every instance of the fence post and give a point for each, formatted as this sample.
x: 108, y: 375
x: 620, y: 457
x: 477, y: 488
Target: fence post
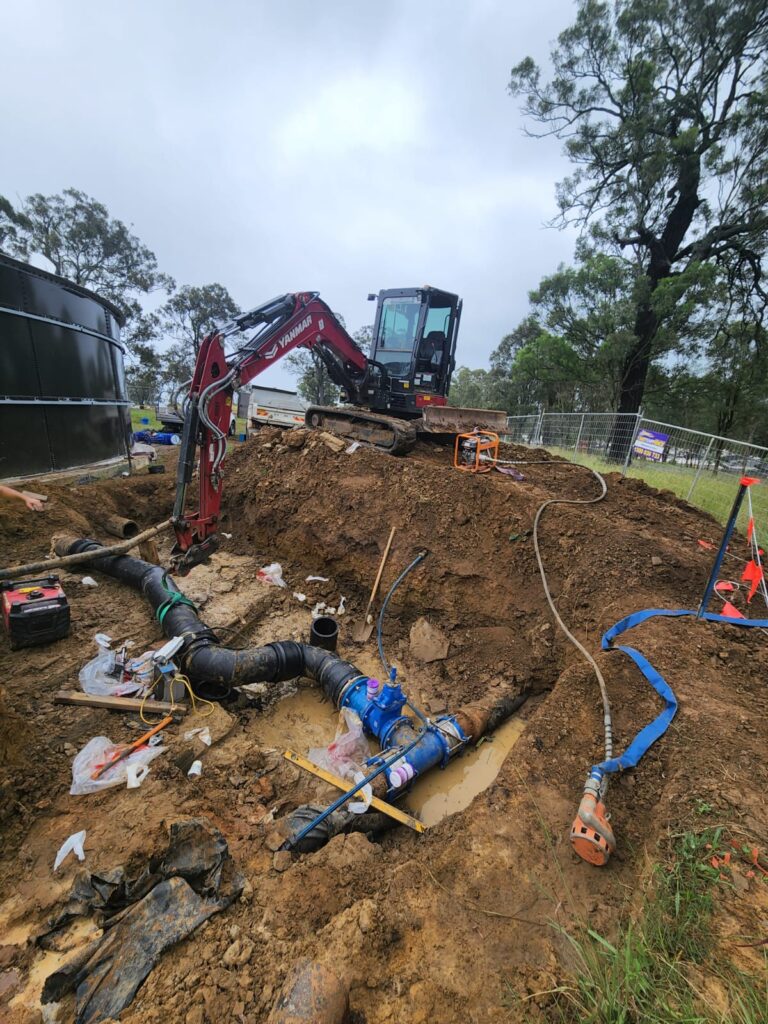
x: 635, y: 432
x: 537, y: 433
x: 578, y: 436
x: 699, y: 468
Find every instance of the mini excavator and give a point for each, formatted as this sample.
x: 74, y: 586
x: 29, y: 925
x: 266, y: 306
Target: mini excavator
x: 393, y: 394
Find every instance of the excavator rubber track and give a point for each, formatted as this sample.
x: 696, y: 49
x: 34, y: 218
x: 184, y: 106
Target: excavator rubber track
x: 390, y: 434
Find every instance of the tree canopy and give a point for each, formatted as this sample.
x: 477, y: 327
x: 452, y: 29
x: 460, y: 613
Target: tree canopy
x: 187, y: 316
x: 76, y: 234
x: 661, y: 106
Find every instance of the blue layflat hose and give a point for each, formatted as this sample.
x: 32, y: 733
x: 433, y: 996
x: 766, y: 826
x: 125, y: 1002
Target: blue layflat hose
x: 655, y: 729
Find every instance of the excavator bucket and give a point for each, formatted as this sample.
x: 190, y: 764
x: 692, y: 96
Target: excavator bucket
x: 447, y: 419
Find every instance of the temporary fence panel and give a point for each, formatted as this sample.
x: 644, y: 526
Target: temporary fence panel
x: 701, y: 468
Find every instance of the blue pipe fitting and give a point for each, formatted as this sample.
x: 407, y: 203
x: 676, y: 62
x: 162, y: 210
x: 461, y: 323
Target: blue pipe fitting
x: 381, y: 717
x: 380, y: 714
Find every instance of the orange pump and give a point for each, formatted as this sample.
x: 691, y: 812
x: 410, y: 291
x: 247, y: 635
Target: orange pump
x: 591, y: 835
x: 476, y: 452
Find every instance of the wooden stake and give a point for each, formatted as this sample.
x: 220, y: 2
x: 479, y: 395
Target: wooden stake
x: 88, y: 700
x: 363, y: 630
x: 148, y: 551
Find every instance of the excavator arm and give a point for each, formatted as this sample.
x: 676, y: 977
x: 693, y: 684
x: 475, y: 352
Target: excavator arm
x: 280, y: 325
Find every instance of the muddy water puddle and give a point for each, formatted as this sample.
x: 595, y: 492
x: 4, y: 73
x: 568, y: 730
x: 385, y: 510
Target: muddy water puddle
x: 303, y: 720
x: 300, y: 721
x: 442, y: 793
x: 77, y: 935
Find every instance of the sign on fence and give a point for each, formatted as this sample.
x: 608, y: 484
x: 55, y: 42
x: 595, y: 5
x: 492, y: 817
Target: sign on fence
x: 649, y: 444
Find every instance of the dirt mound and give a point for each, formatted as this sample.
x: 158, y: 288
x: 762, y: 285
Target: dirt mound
x: 433, y: 927
x: 480, y: 581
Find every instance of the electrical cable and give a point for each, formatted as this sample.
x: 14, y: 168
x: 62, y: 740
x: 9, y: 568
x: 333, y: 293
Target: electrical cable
x: 419, y: 558
x: 194, y: 700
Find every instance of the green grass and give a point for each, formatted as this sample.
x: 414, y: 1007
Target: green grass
x: 650, y: 973
x: 714, y: 492
x: 154, y: 423
x: 138, y: 414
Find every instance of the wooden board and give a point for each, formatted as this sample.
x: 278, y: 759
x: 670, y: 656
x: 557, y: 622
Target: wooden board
x: 343, y: 784
x: 116, y: 703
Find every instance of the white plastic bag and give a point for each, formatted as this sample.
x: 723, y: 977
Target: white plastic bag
x: 99, y: 676
x: 94, y: 754
x: 272, y: 574
x: 349, y: 750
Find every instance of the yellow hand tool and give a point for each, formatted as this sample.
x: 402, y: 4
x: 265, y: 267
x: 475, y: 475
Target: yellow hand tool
x: 339, y: 783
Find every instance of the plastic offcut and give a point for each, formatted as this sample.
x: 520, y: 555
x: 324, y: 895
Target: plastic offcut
x: 136, y: 773
x: 72, y: 845
x: 324, y: 632
x: 203, y: 733
x: 95, y: 753
x: 272, y: 574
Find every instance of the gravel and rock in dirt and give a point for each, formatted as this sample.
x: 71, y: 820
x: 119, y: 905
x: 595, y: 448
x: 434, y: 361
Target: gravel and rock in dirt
x: 437, y: 927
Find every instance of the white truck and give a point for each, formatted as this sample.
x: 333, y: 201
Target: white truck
x: 275, y: 407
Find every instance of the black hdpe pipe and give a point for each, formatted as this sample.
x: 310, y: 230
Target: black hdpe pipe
x: 212, y: 669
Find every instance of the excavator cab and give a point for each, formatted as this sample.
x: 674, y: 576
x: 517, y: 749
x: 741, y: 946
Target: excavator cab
x: 414, y: 340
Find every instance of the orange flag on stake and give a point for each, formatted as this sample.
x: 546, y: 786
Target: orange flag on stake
x: 753, y: 575
x: 731, y: 611
x: 750, y: 528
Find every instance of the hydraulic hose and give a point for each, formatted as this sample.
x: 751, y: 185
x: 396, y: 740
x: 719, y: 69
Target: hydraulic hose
x: 591, y: 814
x: 419, y: 558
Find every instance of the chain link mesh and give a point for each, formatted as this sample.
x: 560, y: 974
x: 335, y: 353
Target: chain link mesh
x: 701, y: 468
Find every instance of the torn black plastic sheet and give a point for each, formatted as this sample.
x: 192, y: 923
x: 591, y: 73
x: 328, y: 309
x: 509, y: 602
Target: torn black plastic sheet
x: 196, y: 851
x: 143, y: 915
x: 106, y: 975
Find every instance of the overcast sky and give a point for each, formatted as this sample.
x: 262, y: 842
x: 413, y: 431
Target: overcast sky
x: 334, y: 145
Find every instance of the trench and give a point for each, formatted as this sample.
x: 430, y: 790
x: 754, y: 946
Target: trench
x: 303, y: 719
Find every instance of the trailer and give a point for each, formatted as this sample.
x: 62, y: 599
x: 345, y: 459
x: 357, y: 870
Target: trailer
x: 275, y: 407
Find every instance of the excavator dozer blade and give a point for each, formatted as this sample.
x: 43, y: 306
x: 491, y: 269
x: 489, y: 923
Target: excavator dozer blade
x: 447, y: 419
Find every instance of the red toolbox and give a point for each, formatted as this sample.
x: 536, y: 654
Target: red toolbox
x: 34, y: 611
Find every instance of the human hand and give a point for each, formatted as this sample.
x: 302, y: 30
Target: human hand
x: 33, y: 504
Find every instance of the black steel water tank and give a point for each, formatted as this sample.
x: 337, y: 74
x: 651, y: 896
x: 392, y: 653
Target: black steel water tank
x: 63, y: 402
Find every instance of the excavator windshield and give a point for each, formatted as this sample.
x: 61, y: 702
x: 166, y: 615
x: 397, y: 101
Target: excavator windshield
x: 398, y: 328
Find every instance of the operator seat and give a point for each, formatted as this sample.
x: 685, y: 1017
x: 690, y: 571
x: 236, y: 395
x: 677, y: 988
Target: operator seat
x: 430, y: 354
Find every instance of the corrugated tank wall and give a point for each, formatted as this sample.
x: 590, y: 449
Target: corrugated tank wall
x: 63, y: 401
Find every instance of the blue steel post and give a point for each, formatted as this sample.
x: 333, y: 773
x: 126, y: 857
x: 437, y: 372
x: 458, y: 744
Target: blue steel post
x: 729, y: 528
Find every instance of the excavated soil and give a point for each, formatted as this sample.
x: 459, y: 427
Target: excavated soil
x: 465, y: 922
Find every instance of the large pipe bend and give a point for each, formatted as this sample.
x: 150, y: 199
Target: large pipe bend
x: 209, y: 666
